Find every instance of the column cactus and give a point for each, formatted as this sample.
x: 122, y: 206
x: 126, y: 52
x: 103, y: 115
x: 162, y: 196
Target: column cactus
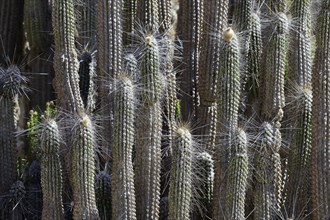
x: 267, y: 173
x: 215, y: 21
x: 149, y: 133
x: 300, y: 82
x: 83, y: 168
x: 123, y: 192
x: 11, y: 85
x: 320, y: 171
x: 103, y: 194
x: 109, y: 58
x: 205, y: 173
x: 180, y: 193
x: 51, y: 169
x: 190, y: 20
x: 65, y: 58
x: 237, y: 176
x: 227, y: 106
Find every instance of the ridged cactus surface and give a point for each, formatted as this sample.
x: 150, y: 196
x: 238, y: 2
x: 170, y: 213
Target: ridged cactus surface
x: 249, y: 77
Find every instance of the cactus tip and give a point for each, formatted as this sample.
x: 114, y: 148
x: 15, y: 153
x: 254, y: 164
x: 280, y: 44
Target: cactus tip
x: 228, y: 34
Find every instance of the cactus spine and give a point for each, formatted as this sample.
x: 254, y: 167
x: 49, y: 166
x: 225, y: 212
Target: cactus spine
x: 51, y: 170
x: 320, y: 120
x: 83, y: 169
x: 123, y: 193
x: 181, y: 175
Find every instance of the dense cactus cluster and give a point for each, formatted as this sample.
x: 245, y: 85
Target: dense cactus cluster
x: 164, y: 109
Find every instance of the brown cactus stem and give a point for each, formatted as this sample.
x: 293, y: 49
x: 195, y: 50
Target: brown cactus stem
x: 191, y: 27
x: 320, y: 120
x: 109, y: 58
x: 65, y: 58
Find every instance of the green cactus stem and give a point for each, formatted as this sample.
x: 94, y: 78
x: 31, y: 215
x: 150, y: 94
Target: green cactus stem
x: 298, y: 185
x: 320, y: 121
x: 180, y: 192
x: 109, y: 57
x: 36, y: 25
x: 83, y: 169
x: 149, y: 134
x: 123, y: 193
x: 228, y: 102
x: 51, y: 170
x: 34, y: 144
x: 237, y: 177
x: 131, y: 65
x: 267, y: 173
x: 205, y: 173
x: 242, y: 23
x: 65, y: 58
x: 300, y: 75
x: 273, y: 89
x: 11, y: 85
x: 254, y: 64
x: 103, y: 194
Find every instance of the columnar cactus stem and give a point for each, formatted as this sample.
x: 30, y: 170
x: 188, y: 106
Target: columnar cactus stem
x: 130, y: 11
x: 148, y: 14
x: 65, y: 58
x: 11, y: 85
x: 109, y: 56
x: 191, y: 26
x: 321, y: 108
x: 83, y: 169
x: 300, y: 75
x: 149, y: 134
x: 273, y: 90
x: 36, y: 25
x: 227, y: 105
x: 103, y: 194
x: 87, y: 27
x: 215, y: 20
x: 237, y: 177
x: 205, y: 172
x: 51, y: 170
x: 123, y: 193
x: 180, y: 193
x: 267, y: 173
x: 242, y: 23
